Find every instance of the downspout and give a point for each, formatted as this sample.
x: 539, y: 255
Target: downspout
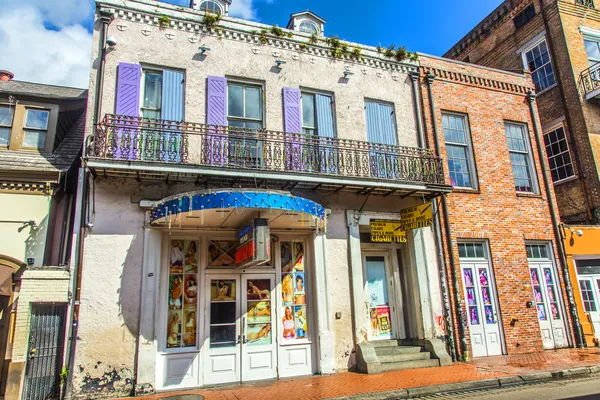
x: 555, y: 226
x: 414, y: 77
x: 79, y: 224
x: 462, y: 347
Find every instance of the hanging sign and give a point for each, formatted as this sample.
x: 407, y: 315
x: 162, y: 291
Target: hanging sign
x: 416, y: 217
x: 255, y: 244
x: 387, y: 231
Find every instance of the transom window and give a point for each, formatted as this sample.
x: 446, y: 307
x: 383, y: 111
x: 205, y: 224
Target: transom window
x: 308, y: 27
x: 244, y: 106
x: 458, y: 149
x: 152, y: 95
x: 520, y: 157
x: 537, y: 60
x: 587, y: 294
x: 559, y: 157
x: 471, y: 250
x: 537, y: 251
x: 6, y: 120
x: 317, y: 115
x: 210, y: 6
x: 35, y: 128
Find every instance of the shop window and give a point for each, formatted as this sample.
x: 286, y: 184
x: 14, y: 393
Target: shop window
x: 520, y: 158
x: 35, y: 128
x: 293, y: 287
x: 6, y: 119
x: 182, y: 294
x: 459, y: 151
x: 559, y: 157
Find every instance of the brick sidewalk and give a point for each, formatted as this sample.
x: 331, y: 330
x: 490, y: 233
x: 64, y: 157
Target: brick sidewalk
x: 349, y: 383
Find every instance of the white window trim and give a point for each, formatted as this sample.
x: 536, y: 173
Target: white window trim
x: 531, y: 43
x: 532, y: 169
x: 143, y: 85
x: 314, y: 93
x: 590, y: 33
x: 395, y: 122
x: 541, y: 37
x: 552, y: 127
x: 244, y: 82
x: 470, y: 151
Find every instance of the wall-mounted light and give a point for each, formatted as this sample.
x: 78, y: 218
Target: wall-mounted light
x: 348, y: 74
x: 279, y: 63
x: 111, y: 42
x: 204, y: 49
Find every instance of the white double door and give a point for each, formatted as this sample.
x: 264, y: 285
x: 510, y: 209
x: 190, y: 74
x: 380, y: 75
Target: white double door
x: 240, y: 329
x: 547, y: 303
x: 482, y: 309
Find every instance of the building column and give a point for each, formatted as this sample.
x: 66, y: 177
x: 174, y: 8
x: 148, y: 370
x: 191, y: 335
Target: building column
x: 326, y: 345
x: 359, y: 301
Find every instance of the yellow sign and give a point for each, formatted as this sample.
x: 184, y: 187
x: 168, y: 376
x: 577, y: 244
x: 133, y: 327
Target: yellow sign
x: 387, y: 231
x: 416, y: 217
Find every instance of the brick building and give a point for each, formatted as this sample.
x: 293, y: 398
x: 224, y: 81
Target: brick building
x: 558, y: 42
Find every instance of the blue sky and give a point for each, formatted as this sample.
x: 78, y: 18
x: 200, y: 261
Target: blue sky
x: 57, y: 33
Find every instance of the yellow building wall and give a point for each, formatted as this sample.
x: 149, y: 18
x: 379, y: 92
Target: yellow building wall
x: 30, y: 242
x: 587, y: 245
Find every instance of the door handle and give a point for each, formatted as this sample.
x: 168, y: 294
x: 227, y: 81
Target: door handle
x: 245, y: 340
x: 238, y: 340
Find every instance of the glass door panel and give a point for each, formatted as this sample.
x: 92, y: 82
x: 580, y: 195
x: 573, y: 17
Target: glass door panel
x: 223, y: 313
x: 380, y: 318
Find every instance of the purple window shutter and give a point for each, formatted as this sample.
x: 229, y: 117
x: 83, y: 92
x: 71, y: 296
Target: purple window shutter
x: 292, y: 124
x: 217, y: 146
x: 127, y: 103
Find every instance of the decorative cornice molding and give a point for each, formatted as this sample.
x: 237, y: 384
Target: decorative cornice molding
x: 46, y: 188
x: 470, y: 80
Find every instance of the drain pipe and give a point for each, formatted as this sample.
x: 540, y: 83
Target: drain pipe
x: 557, y: 235
x: 462, y: 347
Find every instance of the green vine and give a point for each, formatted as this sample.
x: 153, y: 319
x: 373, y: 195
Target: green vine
x: 313, y: 39
x: 64, y: 374
x: 290, y: 34
x: 277, y: 31
x: 210, y: 19
x: 164, y: 21
x: 263, y: 37
x: 303, y: 46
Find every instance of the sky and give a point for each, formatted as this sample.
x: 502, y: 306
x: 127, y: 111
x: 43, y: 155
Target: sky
x: 49, y: 41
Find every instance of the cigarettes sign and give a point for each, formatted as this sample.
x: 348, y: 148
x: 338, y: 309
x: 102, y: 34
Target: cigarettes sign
x: 416, y: 217
x: 387, y: 231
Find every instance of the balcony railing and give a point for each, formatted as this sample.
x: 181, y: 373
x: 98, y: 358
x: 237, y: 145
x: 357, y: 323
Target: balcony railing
x: 590, y: 80
x: 585, y: 3
x: 132, y: 139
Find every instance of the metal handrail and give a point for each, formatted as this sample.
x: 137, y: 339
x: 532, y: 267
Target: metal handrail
x: 590, y: 78
x: 126, y: 138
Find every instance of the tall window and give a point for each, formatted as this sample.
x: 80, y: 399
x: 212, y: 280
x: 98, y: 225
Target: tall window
x: 381, y: 133
x: 559, y: 157
x: 210, y: 6
x: 6, y: 119
x: 587, y: 293
x: 152, y: 96
x: 244, y: 106
x: 317, y: 115
x: 537, y: 60
x: 459, y: 151
x: 520, y: 157
x: 592, y: 48
x: 35, y: 128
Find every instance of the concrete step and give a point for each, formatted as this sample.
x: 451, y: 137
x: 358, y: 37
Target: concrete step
x: 388, y: 350
x: 385, y: 343
x: 394, y: 366
x: 393, y: 358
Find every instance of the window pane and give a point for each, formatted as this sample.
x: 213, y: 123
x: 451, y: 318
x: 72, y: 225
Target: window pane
x: 37, y: 119
x: 235, y: 101
x: 538, y: 62
x: 34, y: 139
x: 4, y: 136
x: 210, y: 6
x: 153, y: 90
x: 559, y: 157
x: 308, y: 110
x: 308, y: 27
x: 253, y: 107
x: 592, y: 50
x: 6, y: 115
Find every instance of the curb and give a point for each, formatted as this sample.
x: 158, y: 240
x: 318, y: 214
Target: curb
x: 507, y: 381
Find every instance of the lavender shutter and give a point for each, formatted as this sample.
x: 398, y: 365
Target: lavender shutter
x: 216, y: 116
x: 292, y: 124
x: 127, y: 104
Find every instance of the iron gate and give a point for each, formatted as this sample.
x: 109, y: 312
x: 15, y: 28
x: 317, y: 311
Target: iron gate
x: 45, y: 352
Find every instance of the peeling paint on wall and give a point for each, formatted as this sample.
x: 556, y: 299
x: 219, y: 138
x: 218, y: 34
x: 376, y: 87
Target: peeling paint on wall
x: 111, y: 382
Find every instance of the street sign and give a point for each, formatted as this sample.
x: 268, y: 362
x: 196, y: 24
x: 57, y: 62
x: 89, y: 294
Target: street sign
x: 416, y: 217
x: 387, y: 231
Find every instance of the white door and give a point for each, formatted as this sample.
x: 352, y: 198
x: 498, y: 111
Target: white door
x: 589, y: 286
x: 223, y: 329
x: 259, y: 347
x: 547, y: 303
x: 380, y: 296
x: 481, y: 308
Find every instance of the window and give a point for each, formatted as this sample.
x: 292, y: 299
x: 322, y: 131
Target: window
x: 520, y: 158
x: 6, y: 119
x: 381, y: 125
x: 559, y: 157
x: 587, y: 293
x: 244, y: 106
x: 308, y: 27
x: 35, y: 128
x: 210, y: 6
x: 152, y: 95
x: 524, y: 16
x: 592, y: 48
x: 537, y: 251
x: 471, y: 250
x: 317, y: 115
x: 459, y: 152
x: 537, y: 60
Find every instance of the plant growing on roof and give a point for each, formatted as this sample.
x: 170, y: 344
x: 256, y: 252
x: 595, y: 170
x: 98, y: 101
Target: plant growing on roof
x: 379, y: 49
x: 277, y: 31
x: 357, y: 54
x: 313, y: 39
x: 210, y: 19
x: 389, y: 51
x: 164, y: 21
x: 303, y: 46
x: 263, y: 37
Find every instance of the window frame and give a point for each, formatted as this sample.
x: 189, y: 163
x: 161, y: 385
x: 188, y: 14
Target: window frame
x: 394, y: 122
x: 525, y: 16
x: 531, y: 160
x: 210, y: 11
x: 308, y: 21
x: 469, y: 146
x: 568, y: 151
x: 26, y: 128
x: 314, y: 94
x: 143, y: 89
x: 244, y: 84
x: 8, y: 106
x: 529, y: 47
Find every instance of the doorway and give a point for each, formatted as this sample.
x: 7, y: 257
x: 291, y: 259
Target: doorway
x: 240, y: 328
x: 379, y: 291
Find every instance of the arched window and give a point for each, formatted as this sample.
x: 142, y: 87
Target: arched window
x: 308, y: 27
x: 210, y: 6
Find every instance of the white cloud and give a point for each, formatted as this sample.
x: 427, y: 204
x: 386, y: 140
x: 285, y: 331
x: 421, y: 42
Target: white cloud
x: 36, y: 54
x: 243, y: 9
x: 57, y: 12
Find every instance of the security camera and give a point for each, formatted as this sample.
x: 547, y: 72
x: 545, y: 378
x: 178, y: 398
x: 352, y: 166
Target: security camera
x: 111, y: 41
x: 579, y: 232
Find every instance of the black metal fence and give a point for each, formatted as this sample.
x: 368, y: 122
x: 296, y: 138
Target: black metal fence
x: 586, y: 3
x: 156, y: 141
x: 590, y: 78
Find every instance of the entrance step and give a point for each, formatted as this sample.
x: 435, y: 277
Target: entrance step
x: 385, y: 367
x: 393, y: 358
x: 388, y: 350
x: 390, y: 355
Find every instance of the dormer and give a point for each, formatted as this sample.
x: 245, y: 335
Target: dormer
x: 212, y: 6
x: 307, y: 22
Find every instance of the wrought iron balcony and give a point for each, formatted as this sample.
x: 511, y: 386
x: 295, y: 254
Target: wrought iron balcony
x: 585, y: 3
x: 157, y: 144
x: 590, y: 81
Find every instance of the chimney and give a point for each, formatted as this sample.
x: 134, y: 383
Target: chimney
x: 6, y: 76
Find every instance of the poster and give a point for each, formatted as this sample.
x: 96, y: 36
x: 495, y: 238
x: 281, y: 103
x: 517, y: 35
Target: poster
x: 474, y: 315
x: 259, y: 334
x: 176, y: 257
x: 383, y: 317
x: 189, y: 329
x: 222, y: 290
x: 289, y: 331
x: 191, y: 256
x: 175, y: 292
x: 259, y: 289
x: 190, y: 294
x: 174, y: 329
x: 287, y: 289
x: 489, y: 315
x: 221, y: 253
x: 259, y: 311
x: 293, y: 291
x: 299, y: 292
x: 468, y: 276
x: 286, y: 257
x: 471, y: 296
x: 301, y: 325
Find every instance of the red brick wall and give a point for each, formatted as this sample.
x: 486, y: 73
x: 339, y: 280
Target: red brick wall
x: 494, y: 212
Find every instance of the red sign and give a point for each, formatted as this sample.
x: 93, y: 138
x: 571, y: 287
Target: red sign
x: 245, y: 252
